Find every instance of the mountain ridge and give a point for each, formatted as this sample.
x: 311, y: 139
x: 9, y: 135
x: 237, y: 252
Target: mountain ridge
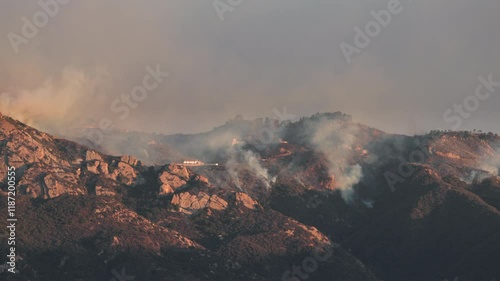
x: 263, y: 209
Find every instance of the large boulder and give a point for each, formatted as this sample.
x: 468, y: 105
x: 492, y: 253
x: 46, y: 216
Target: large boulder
x: 128, y: 175
x: 98, y: 167
x: 169, y: 183
x: 55, y: 186
x: 179, y: 170
x: 189, y: 203
x: 245, y: 200
x: 92, y: 155
x: 132, y: 161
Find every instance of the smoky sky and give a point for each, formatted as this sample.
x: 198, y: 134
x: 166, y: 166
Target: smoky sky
x: 265, y: 54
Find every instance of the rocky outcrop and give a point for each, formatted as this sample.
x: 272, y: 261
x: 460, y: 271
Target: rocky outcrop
x: 127, y: 175
x: 127, y: 222
x: 102, y: 191
x: 176, y: 176
x: 92, y: 155
x: 189, y: 203
x: 132, y: 161
x: 169, y: 183
x: 47, y: 167
x: 245, y: 200
x: 123, y: 172
x: 54, y: 186
x: 201, y: 179
x: 98, y: 167
x: 179, y: 170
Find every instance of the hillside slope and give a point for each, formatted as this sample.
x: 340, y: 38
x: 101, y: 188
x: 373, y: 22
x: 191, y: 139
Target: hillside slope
x: 84, y: 215
x: 326, y: 199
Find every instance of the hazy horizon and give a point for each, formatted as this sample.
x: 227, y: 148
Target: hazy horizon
x: 263, y: 55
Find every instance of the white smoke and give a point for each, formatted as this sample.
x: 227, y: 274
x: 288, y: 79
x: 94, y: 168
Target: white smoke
x: 232, y: 169
x: 486, y: 169
x: 253, y: 163
x: 492, y: 166
x: 240, y: 160
x: 56, y: 103
x: 336, y: 141
x: 476, y: 176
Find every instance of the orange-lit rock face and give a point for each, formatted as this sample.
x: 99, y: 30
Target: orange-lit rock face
x: 251, y: 232
x: 179, y: 170
x: 169, y: 182
x: 49, y: 167
x: 189, y: 203
x: 245, y: 200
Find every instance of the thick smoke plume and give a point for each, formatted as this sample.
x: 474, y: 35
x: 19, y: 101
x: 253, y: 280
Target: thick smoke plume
x: 336, y: 141
x: 253, y: 163
x: 56, y: 104
x: 487, y: 168
x: 240, y: 159
x: 492, y: 166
